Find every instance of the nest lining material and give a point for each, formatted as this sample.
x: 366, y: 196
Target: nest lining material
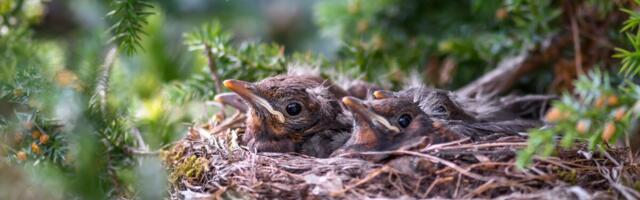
x: 209, y: 164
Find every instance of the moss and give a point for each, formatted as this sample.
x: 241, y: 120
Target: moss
x: 174, y: 154
x: 190, y: 168
x: 568, y: 176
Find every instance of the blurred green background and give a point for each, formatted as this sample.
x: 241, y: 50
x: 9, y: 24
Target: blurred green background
x: 70, y: 123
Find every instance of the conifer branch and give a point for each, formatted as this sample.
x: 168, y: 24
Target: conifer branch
x: 130, y: 16
x: 102, y: 86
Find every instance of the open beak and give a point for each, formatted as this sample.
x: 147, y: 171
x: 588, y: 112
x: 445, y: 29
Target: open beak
x: 357, y: 108
x: 231, y: 99
x: 382, y: 94
x: 246, y: 91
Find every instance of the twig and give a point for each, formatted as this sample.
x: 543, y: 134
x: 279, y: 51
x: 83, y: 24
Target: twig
x: 606, y: 154
x: 143, y: 153
x: 509, y: 70
x: 438, y: 146
x: 554, y: 163
x: 219, y: 192
x: 435, y: 159
x: 360, y: 182
x: 136, y: 134
x: 233, y: 120
x: 455, y: 192
x: 390, y: 176
x: 434, y: 183
x: 480, y: 189
x: 490, y: 164
x: 622, y: 189
x: 102, y: 88
x: 486, y: 145
x: 627, y: 144
x: 213, y: 68
x: 576, y: 43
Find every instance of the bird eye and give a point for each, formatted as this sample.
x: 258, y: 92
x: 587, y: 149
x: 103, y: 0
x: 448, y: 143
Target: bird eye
x: 404, y: 120
x: 440, y: 110
x: 294, y: 108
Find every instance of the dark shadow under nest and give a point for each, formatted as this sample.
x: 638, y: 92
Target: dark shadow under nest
x: 209, y: 164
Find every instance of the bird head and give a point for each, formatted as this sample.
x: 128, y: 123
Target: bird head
x: 438, y: 104
x: 385, y: 124
x: 284, y: 110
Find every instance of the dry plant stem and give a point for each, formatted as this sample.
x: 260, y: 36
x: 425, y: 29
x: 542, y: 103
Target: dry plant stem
x: 576, y: 45
x: 141, y: 145
x: 490, y: 164
x: 455, y: 193
x: 477, y: 146
x: 436, y: 182
x: 213, y: 68
x: 439, y: 146
x: 554, y: 163
x: 435, y: 159
x: 479, y: 190
x: 360, y: 182
x: 624, y: 190
x: 102, y: 87
x: 228, y: 123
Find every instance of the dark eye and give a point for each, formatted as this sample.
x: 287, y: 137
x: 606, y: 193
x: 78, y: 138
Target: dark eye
x: 404, y: 120
x: 294, y: 109
x: 440, y: 110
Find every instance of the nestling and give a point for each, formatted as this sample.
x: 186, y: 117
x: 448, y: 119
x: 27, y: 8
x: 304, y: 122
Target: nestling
x: 389, y: 124
x: 393, y: 123
x: 293, y: 113
x: 446, y: 105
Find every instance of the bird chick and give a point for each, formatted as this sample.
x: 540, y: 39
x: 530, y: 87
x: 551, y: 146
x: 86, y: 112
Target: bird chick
x: 393, y: 123
x: 293, y: 113
x: 389, y: 124
x: 439, y: 104
x: 446, y: 105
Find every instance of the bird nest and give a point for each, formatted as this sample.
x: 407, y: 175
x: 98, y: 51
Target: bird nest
x: 209, y: 163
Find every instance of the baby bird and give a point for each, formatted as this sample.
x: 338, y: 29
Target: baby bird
x: 445, y: 105
x: 293, y: 113
x: 392, y: 123
x: 388, y: 124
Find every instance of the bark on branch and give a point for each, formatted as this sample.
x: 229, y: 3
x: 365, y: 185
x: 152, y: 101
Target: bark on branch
x: 213, y: 68
x: 511, y: 69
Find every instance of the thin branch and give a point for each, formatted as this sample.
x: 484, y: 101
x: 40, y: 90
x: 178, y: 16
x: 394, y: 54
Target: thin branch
x: 434, y: 183
x: 102, y: 88
x: 509, y: 70
x: 141, y: 145
x: 213, y: 68
x: 576, y: 44
x: 477, y: 146
x: 228, y: 123
x: 450, y: 164
x: 362, y: 181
